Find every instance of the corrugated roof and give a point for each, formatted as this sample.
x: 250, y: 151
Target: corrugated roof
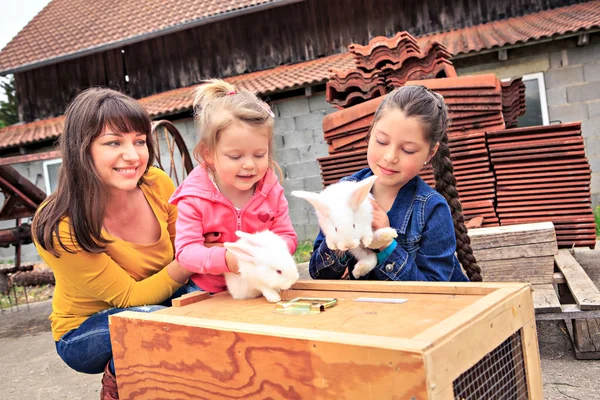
x: 69, y: 27
x: 528, y: 28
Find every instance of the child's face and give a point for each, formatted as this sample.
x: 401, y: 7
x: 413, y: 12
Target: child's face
x: 120, y: 159
x: 397, y: 149
x: 241, y: 158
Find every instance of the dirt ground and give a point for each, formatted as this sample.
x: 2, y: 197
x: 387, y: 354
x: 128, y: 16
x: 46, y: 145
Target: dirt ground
x: 33, y: 371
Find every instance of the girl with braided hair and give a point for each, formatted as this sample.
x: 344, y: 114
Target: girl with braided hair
x: 408, y: 132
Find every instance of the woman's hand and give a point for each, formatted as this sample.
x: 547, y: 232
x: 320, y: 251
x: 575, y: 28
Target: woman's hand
x: 211, y: 239
x: 232, y: 262
x: 177, y: 272
x: 380, y: 218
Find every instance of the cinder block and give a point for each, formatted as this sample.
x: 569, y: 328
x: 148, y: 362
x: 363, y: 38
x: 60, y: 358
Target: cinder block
x: 313, y: 120
x: 594, y: 163
x: 299, y: 138
x: 592, y: 146
x: 313, y: 183
x: 284, y: 125
x: 564, y: 76
x: 287, y: 156
x: 300, y: 232
x: 311, y: 232
x: 595, y: 182
x: 278, y: 142
x: 303, y: 169
x: 594, y: 109
x: 319, y: 136
x: 318, y: 103
x: 313, y: 151
x: 588, y: 91
x: 590, y: 128
x: 568, y: 113
x: 584, y: 54
x: 591, y: 72
x: 293, y: 107
x: 556, y: 97
x: 299, y: 216
x: 292, y: 184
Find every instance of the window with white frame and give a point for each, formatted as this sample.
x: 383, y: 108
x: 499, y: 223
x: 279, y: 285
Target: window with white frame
x: 536, y: 105
x: 51, y: 174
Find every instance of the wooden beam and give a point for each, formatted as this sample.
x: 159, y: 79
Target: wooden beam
x: 190, y: 298
x: 582, y: 288
x: 545, y: 299
x: 503, y: 55
x: 49, y: 155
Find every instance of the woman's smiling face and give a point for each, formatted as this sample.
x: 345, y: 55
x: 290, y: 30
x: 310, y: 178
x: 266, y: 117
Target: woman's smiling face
x: 120, y: 159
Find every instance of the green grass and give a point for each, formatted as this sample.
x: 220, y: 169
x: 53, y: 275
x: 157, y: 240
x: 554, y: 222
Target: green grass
x: 303, y: 252
x: 597, y: 218
x: 34, y: 294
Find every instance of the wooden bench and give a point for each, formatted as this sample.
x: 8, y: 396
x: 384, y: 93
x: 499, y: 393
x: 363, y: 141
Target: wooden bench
x: 574, y: 298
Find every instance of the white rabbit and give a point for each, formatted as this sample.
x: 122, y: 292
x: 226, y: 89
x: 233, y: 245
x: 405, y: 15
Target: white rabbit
x: 345, y: 215
x: 265, y: 266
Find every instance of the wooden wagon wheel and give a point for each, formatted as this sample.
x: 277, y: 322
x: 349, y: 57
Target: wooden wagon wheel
x: 174, y: 141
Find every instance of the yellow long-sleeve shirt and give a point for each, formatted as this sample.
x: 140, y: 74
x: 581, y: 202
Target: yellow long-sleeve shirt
x: 126, y: 275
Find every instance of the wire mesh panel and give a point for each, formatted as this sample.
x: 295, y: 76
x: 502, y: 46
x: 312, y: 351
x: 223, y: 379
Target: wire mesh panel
x: 500, y: 375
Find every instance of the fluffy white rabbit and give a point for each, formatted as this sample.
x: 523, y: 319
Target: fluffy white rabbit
x: 345, y: 215
x: 265, y: 266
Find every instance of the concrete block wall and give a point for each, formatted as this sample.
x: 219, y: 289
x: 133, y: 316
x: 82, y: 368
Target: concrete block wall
x: 573, y: 89
x: 572, y: 80
x: 298, y: 143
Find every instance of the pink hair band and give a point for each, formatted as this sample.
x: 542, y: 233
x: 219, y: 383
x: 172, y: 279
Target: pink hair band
x: 230, y: 93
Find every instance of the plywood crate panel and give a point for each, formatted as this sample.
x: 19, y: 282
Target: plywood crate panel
x: 446, y: 339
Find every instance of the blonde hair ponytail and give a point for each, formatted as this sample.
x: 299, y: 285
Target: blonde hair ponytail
x: 217, y: 104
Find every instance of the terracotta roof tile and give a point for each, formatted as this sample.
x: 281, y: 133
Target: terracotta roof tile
x: 531, y: 27
x: 32, y: 132
x: 66, y: 27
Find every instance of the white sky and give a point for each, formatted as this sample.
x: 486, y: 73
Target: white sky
x: 14, y: 15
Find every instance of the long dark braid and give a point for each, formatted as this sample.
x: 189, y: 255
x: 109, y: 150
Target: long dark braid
x: 445, y: 183
x: 429, y: 107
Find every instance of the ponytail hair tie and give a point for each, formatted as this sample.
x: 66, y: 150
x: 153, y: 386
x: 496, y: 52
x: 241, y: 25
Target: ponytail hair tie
x: 231, y: 93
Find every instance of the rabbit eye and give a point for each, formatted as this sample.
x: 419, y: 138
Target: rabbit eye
x: 279, y: 271
x: 353, y: 226
x: 335, y: 227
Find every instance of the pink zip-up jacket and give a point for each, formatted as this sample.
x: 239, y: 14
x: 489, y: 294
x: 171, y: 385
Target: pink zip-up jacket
x: 202, y: 208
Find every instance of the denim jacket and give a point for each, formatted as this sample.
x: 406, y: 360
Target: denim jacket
x: 426, y: 240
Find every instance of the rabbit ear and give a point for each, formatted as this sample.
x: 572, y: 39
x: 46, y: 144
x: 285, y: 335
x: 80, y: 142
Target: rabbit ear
x: 314, y: 199
x: 361, y: 192
x: 249, y: 238
x: 241, y: 251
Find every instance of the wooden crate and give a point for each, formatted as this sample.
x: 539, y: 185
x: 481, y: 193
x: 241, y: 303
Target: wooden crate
x: 516, y: 253
x: 445, y: 337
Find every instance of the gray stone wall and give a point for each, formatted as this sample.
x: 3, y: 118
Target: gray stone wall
x: 299, y: 143
x: 572, y: 80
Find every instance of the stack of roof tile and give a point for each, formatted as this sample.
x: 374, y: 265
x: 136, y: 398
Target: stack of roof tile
x: 386, y: 63
x: 513, y: 101
x: 475, y: 105
x: 543, y: 175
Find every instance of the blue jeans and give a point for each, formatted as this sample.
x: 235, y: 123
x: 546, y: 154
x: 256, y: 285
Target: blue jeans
x: 88, y: 349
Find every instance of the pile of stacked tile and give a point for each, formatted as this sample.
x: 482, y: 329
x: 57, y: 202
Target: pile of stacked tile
x: 386, y: 63
x: 513, y: 101
x: 543, y: 175
x: 475, y: 105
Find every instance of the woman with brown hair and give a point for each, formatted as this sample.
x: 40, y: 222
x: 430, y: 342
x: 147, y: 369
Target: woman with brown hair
x: 108, y: 230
